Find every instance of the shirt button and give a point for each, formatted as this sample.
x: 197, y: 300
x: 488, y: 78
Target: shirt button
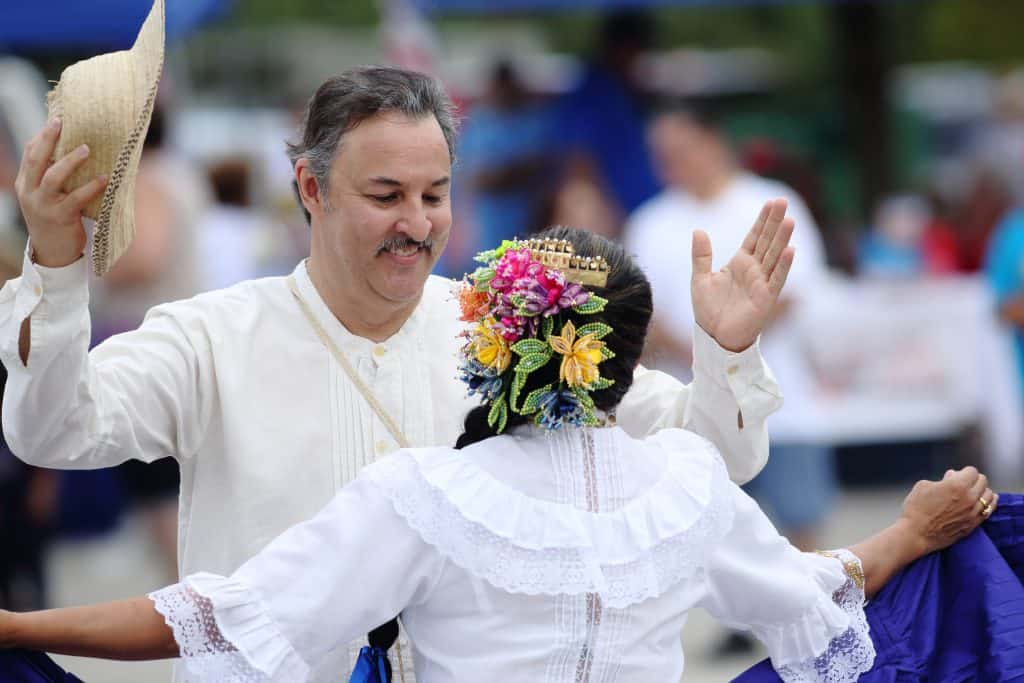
x: 38, y: 290
x: 382, y: 447
x: 733, y: 369
x: 379, y: 351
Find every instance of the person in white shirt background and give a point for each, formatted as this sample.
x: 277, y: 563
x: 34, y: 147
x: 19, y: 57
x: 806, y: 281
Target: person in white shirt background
x: 707, y: 190
x: 274, y: 393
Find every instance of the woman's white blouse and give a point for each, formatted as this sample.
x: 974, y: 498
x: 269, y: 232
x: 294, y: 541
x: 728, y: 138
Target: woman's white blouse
x: 572, y: 556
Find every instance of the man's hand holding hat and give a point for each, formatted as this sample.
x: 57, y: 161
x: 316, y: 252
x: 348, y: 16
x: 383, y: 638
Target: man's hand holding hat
x: 53, y: 216
x: 101, y: 110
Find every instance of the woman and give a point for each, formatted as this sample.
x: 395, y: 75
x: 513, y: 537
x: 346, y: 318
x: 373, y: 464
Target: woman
x: 548, y: 544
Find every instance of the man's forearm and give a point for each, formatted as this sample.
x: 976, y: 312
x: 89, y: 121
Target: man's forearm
x: 126, y: 629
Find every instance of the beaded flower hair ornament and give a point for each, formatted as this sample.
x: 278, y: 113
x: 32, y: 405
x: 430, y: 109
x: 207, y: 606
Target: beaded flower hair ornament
x: 518, y: 302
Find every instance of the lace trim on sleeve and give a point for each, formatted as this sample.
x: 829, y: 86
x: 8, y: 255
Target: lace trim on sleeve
x: 850, y: 653
x: 207, y: 654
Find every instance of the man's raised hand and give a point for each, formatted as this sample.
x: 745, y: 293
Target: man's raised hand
x: 734, y: 304
x: 53, y: 216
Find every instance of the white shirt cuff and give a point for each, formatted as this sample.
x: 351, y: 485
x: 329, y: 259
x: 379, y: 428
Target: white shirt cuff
x: 743, y: 374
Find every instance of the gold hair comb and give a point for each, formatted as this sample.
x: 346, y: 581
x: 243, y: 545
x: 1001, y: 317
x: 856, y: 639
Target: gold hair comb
x: 559, y: 254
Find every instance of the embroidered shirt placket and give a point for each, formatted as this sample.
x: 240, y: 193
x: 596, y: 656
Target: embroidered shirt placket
x: 594, y: 604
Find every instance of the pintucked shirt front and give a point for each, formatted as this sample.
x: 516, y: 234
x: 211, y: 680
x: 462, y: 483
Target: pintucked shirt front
x: 239, y: 389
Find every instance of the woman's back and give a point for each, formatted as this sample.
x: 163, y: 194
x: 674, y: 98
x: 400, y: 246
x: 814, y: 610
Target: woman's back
x: 565, y: 556
x: 536, y: 587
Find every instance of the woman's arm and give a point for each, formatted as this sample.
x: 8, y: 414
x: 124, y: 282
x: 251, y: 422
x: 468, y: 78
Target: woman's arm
x: 807, y: 608
x: 317, y: 586
x: 935, y: 515
x: 126, y: 629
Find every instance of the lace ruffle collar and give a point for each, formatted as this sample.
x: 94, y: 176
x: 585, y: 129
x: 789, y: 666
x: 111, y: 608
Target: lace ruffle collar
x: 528, y: 545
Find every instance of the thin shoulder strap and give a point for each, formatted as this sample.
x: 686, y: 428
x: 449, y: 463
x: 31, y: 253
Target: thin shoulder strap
x: 353, y: 376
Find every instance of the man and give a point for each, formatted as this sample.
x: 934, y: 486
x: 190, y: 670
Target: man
x: 705, y: 188
x: 249, y: 387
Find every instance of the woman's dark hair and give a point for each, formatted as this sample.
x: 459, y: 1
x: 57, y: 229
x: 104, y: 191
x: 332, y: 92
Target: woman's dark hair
x: 628, y: 312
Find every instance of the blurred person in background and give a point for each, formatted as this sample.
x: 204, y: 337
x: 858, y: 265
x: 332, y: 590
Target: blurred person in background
x: 161, y: 265
x: 911, y: 236
x: 504, y: 164
x: 579, y: 198
x: 235, y: 239
x: 28, y: 495
x: 985, y: 204
x: 706, y: 190
x: 605, y: 115
x: 998, y: 145
x: 893, y: 247
x: 1004, y: 270
x: 274, y: 393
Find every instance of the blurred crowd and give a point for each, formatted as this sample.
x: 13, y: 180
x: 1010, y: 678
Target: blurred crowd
x: 904, y: 331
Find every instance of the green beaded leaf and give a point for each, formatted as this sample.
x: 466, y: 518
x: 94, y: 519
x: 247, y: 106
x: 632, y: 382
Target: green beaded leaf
x: 599, y: 330
x: 483, y: 277
x: 492, y: 255
x: 517, y: 386
x: 546, y: 328
x: 584, y: 398
x: 595, y: 304
x: 498, y: 415
x: 607, y: 353
x: 601, y: 383
x: 525, y: 347
x: 531, y: 362
x: 532, y: 402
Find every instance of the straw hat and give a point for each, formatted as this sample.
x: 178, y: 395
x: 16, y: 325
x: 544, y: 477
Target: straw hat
x: 106, y: 102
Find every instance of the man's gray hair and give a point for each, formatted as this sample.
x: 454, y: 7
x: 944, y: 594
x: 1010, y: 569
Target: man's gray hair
x: 346, y: 100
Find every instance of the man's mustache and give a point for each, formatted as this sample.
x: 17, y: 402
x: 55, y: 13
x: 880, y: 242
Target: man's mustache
x: 395, y: 243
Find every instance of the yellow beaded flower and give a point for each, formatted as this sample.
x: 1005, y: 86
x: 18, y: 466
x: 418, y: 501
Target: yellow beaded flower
x: 491, y: 349
x: 580, y: 357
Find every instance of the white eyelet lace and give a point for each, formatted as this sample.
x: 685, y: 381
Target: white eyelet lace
x: 849, y: 654
x: 207, y: 654
x: 559, y: 570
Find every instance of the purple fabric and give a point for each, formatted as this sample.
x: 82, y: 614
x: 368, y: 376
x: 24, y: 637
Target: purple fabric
x: 951, y: 617
x: 24, y: 666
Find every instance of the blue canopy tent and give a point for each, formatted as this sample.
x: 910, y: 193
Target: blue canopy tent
x: 93, y: 26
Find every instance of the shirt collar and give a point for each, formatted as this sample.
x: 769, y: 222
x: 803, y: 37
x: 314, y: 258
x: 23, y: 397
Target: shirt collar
x: 345, y: 339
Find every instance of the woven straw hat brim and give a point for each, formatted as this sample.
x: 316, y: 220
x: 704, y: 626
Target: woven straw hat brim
x: 106, y: 102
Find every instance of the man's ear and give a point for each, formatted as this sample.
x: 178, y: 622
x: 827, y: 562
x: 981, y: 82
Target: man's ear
x: 307, y: 188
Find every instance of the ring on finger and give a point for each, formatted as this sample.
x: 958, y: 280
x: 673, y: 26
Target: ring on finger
x: 986, y: 507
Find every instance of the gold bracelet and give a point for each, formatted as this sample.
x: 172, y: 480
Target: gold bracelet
x: 851, y: 567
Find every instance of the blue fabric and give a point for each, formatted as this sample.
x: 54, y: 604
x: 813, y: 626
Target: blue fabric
x: 372, y: 666
x: 1004, y: 270
x: 25, y: 666
x: 951, y: 617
